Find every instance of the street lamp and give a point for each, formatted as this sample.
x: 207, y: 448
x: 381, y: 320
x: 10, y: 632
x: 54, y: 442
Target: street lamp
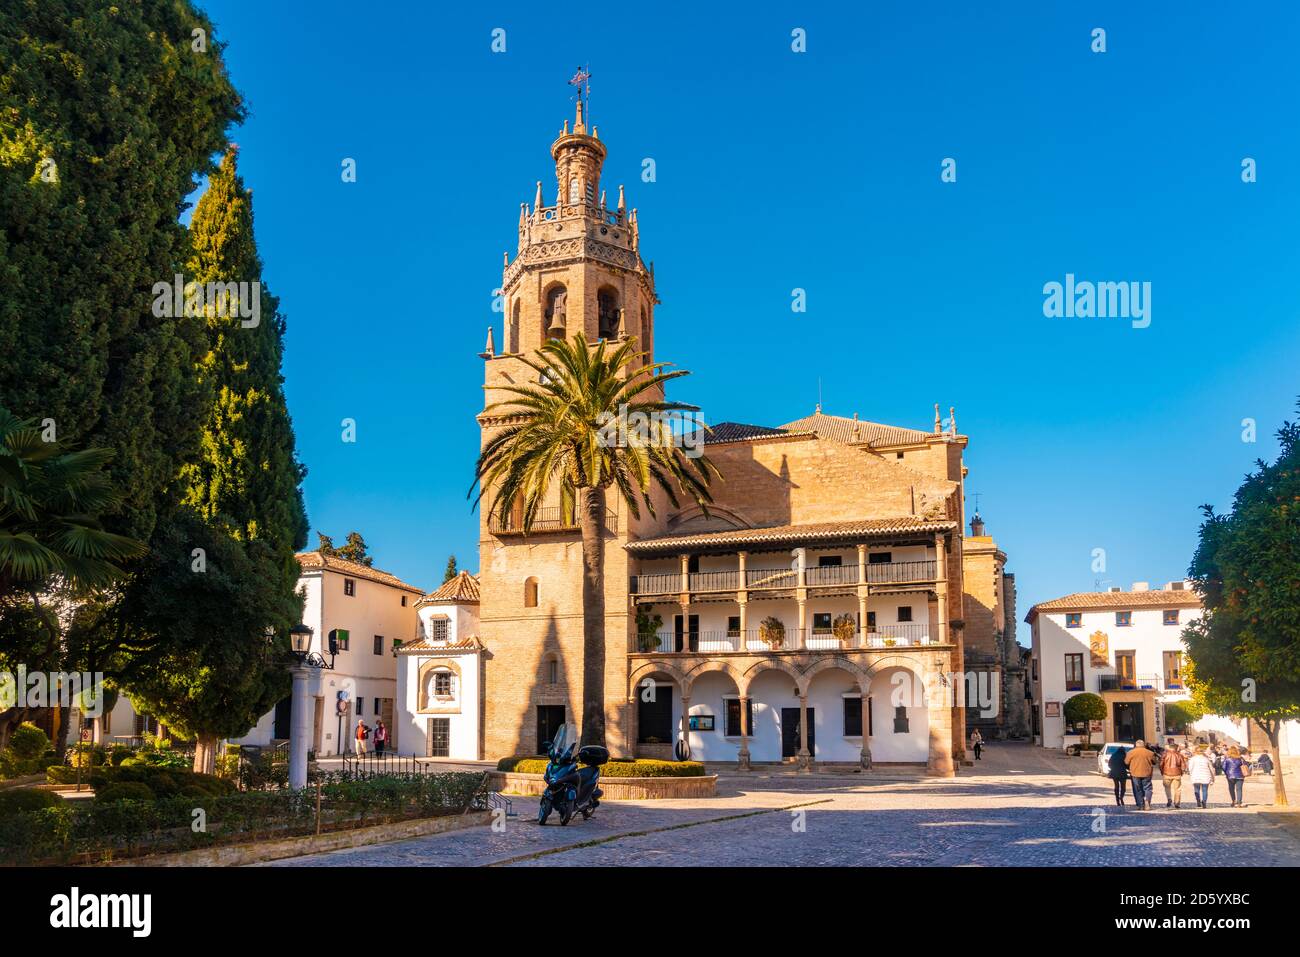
x: 305, y: 661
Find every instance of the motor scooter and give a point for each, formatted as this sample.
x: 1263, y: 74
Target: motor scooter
x: 571, y: 778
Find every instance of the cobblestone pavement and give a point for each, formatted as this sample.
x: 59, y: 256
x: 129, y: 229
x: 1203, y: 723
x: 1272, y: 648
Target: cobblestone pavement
x: 1019, y: 806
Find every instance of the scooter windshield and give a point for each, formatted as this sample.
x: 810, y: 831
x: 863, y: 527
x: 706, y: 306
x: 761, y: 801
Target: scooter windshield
x: 566, y: 739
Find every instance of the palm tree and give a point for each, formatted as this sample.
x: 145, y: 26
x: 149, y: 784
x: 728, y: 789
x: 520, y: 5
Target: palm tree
x: 50, y: 500
x: 570, y: 428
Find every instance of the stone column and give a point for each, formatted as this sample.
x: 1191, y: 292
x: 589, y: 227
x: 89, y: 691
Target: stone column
x: 865, y: 757
x: 298, y: 726
x: 805, y: 757
x: 686, y: 722
x: 684, y: 599
x: 803, y: 619
x: 742, y: 600
x: 742, y: 759
x: 863, y: 593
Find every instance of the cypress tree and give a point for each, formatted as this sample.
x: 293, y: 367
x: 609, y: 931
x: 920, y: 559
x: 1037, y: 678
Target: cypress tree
x: 108, y: 113
x: 218, y: 678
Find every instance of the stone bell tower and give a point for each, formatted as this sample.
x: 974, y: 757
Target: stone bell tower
x: 577, y: 266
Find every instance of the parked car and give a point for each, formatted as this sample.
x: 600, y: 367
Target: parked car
x: 1107, y: 749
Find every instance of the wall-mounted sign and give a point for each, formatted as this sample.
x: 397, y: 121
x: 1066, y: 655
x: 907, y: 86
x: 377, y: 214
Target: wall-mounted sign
x: 1052, y: 709
x: 1099, y: 647
x: 1095, y: 726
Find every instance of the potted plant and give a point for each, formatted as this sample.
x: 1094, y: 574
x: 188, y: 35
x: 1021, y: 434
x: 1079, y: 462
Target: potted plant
x: 772, y: 631
x: 647, y: 631
x: 844, y: 627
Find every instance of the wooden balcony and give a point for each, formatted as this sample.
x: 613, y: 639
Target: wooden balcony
x: 902, y: 635
x: 771, y: 579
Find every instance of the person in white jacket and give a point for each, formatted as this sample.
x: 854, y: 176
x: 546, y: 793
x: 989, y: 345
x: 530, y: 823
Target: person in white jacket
x: 1201, y: 770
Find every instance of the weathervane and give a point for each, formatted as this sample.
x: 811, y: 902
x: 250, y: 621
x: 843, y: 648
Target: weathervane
x: 582, y: 80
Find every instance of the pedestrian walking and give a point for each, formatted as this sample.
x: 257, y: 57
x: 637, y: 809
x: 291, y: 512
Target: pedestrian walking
x: 1235, y: 770
x: 977, y: 743
x: 381, y: 737
x: 1201, y: 771
x: 1172, y: 768
x: 1119, y: 774
x: 360, y: 737
x: 1141, y: 764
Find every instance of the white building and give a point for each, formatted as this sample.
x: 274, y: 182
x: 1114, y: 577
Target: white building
x: 439, y: 676
x: 1125, y: 646
x: 370, y: 613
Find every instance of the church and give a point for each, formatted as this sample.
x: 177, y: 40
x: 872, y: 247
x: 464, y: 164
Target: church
x: 828, y: 609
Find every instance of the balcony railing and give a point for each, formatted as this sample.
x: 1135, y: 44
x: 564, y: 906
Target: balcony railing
x: 904, y: 635
x: 552, y: 519
x: 1140, y: 683
x: 758, y: 579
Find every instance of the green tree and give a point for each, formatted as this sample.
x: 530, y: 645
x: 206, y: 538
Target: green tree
x: 107, y: 116
x: 354, y: 550
x: 1085, y: 707
x: 563, y: 440
x: 209, y: 634
x: 244, y: 482
x: 1245, y: 650
x: 450, y: 571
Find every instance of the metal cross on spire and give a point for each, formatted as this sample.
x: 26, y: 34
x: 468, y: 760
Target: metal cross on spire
x: 582, y: 80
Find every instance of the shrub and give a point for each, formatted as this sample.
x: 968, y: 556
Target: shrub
x: 20, y: 800
x: 617, y: 768
x: 28, y: 741
x: 125, y: 791
x: 1085, y: 707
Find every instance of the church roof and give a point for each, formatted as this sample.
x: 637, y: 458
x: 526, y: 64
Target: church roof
x: 312, y: 560
x: 837, y: 428
x: 468, y: 643
x: 463, y: 588
x: 780, y: 535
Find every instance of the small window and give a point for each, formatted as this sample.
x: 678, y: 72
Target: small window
x: 1123, y: 619
x: 575, y: 191
x: 733, y: 626
x: 830, y: 561
x: 1173, y: 669
x: 438, y: 629
x: 361, y: 706
x: 900, y: 720
x: 732, y: 729
x: 898, y: 455
x: 693, y: 564
x: 442, y: 684
x: 822, y: 621
x: 1171, y: 616
x: 1074, y: 672
x: 530, y: 593
x: 905, y: 613
x: 343, y: 638
x: 552, y: 671
x: 378, y: 702
x: 379, y: 644
x: 871, y: 621
x: 1074, y: 620
x: 349, y: 587
x: 879, y: 558
x: 403, y: 601
x: 853, y: 717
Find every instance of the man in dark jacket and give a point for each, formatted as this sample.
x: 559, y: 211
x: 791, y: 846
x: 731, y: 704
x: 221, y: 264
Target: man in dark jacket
x: 1141, y: 763
x: 1119, y: 774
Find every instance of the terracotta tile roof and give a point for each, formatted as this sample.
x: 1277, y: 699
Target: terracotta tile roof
x: 788, y: 534
x: 739, y: 432
x: 353, y: 570
x: 463, y: 588
x: 1121, y: 600
x: 468, y: 643
x: 837, y: 428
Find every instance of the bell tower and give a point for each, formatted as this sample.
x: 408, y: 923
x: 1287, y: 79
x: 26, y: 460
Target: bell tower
x: 577, y: 266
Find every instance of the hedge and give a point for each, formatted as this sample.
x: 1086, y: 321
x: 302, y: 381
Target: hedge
x: 22, y: 800
x: 616, y: 768
x: 89, y: 832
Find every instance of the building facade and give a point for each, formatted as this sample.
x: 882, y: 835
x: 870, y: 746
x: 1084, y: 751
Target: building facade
x: 814, y: 613
x: 439, y: 675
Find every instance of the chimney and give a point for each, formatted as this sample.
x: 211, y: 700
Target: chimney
x: 1141, y: 586
x: 1114, y: 588
x: 1175, y: 586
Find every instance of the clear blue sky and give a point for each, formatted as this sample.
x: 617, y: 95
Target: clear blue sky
x: 819, y: 170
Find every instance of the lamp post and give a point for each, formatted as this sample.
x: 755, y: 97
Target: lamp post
x: 305, y: 661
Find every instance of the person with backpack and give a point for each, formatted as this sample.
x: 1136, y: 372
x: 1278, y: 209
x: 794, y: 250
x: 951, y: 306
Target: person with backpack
x: 1172, y: 768
x: 1201, y: 770
x: 1235, y: 770
x: 1119, y: 774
